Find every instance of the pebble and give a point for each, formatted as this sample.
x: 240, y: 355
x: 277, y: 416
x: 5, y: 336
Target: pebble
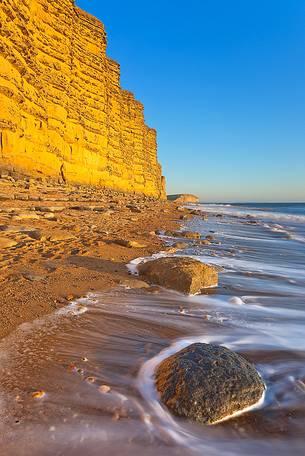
x: 38, y: 394
x: 104, y: 389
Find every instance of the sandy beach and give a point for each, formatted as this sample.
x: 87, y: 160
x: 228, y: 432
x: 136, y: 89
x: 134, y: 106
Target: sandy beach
x: 59, y: 242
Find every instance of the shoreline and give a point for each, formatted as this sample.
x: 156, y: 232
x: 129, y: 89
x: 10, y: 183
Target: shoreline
x: 85, y: 363
x: 61, y: 242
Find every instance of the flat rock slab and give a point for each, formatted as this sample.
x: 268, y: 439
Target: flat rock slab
x: 129, y: 244
x: 50, y: 208
x: 208, y: 383
x: 6, y: 243
x: 182, y: 274
x: 61, y: 236
x: 26, y: 216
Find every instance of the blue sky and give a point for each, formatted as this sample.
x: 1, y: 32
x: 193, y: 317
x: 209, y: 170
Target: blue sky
x: 223, y: 82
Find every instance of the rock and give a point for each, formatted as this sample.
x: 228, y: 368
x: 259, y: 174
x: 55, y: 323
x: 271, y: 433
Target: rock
x: 190, y: 234
x: 196, y: 212
x: 26, y: 216
x: 50, y: 208
x: 134, y: 283
x: 180, y: 245
x: 209, y: 238
x: 33, y: 277
x: 6, y: 243
x: 130, y: 244
x: 160, y: 232
x: 136, y: 210
x: 38, y: 394
x: 35, y: 234
x: 207, y: 383
x: 22, y: 197
x: 170, y: 249
x: 70, y: 297
x: 79, y: 208
x: 64, y: 236
x: 204, y: 242
x: 104, y: 389
x: 98, y: 208
x: 179, y: 273
x: 183, y: 198
x: 50, y: 216
x: 6, y: 197
x: 170, y: 233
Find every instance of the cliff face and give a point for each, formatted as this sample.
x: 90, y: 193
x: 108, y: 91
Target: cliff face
x: 183, y: 198
x: 62, y: 110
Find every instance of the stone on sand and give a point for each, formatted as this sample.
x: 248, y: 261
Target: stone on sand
x: 7, y: 243
x: 26, y: 216
x: 61, y: 236
x: 130, y: 244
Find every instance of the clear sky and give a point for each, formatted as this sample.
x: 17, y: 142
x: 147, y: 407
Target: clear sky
x: 223, y: 82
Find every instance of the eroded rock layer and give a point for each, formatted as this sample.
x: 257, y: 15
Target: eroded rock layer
x: 62, y: 110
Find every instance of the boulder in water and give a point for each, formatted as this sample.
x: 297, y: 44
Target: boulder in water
x: 182, y: 274
x: 208, y: 383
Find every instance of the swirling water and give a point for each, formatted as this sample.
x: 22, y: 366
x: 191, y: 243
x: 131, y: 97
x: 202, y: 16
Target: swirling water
x: 95, y: 361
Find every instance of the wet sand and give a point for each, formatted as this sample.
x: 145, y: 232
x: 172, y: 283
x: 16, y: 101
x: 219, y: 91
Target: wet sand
x: 81, y: 380
x: 58, y: 242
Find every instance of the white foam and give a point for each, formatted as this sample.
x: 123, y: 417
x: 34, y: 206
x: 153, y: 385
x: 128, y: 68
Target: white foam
x: 253, y: 213
x: 133, y: 265
x: 236, y: 300
x: 259, y: 404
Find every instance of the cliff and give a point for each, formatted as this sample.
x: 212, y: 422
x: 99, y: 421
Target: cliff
x: 183, y: 198
x: 63, y: 113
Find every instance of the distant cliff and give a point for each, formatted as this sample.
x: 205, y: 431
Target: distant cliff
x: 62, y: 111
x: 183, y: 198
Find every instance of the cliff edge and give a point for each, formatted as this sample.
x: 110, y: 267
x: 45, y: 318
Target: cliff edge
x: 63, y: 113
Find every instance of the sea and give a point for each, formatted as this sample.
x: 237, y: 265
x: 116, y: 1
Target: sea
x: 81, y: 381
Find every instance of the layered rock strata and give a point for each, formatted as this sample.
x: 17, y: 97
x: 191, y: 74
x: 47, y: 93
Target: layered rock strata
x: 62, y: 111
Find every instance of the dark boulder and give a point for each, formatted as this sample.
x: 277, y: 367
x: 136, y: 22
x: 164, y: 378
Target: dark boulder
x: 207, y: 383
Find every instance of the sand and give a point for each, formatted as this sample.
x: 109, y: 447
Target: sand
x: 59, y: 242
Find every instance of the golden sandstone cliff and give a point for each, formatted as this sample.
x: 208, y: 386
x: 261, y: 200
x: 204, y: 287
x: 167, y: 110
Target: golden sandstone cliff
x: 63, y: 113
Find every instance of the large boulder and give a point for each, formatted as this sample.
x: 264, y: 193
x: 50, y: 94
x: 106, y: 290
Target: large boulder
x: 183, y: 198
x: 208, y: 383
x: 180, y: 273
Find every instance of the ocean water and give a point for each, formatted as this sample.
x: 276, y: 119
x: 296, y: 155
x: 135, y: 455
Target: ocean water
x: 95, y: 360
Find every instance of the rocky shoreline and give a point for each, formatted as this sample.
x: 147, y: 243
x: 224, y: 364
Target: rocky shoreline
x: 59, y: 242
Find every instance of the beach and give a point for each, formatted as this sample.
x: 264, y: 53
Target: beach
x: 82, y: 378
x: 59, y: 242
